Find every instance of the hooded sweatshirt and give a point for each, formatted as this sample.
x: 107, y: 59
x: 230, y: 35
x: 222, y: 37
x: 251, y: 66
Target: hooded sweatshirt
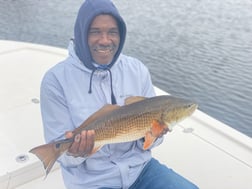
x: 66, y: 103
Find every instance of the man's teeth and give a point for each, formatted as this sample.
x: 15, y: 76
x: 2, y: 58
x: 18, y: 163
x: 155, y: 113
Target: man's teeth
x: 104, y: 51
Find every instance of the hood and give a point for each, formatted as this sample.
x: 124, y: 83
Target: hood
x: 87, y: 12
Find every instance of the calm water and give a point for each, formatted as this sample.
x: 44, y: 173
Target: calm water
x: 199, y: 49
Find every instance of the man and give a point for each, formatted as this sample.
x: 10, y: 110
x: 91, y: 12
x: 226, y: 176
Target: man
x: 96, y: 73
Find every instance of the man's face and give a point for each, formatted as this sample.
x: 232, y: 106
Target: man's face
x: 103, y: 38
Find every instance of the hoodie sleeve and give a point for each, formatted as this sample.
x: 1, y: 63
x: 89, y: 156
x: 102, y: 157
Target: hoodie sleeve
x: 55, y: 116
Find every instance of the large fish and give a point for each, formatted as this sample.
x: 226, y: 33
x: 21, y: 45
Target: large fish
x: 139, y: 117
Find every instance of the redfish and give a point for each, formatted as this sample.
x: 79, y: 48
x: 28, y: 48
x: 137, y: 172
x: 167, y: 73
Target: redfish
x: 140, y: 117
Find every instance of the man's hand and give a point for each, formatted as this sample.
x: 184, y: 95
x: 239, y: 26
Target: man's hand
x: 83, y: 143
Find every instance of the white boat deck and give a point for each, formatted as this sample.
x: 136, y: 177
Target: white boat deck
x: 206, y: 151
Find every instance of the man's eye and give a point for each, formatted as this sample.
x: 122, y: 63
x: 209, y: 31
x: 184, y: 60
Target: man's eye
x: 94, y: 32
x: 113, y: 32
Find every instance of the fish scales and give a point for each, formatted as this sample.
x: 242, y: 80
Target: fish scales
x: 128, y: 119
x: 124, y: 129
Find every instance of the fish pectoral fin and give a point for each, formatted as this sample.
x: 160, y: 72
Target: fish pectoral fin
x: 157, y: 128
x: 133, y: 99
x: 148, y: 140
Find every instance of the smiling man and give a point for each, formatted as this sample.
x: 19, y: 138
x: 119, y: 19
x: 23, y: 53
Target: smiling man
x: 96, y: 73
x: 103, y: 39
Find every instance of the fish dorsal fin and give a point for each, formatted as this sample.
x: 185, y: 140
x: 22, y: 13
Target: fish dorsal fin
x: 101, y: 112
x: 133, y: 99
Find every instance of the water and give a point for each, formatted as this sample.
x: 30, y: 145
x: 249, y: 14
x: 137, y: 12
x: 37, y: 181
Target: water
x: 199, y: 49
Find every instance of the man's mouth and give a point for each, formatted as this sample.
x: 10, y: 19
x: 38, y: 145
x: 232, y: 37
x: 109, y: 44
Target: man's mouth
x: 104, y: 49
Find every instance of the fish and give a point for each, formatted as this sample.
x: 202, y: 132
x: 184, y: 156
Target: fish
x: 139, y: 117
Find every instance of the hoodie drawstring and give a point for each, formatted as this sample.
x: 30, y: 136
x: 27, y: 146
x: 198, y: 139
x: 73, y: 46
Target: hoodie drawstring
x: 102, y: 67
x: 113, y: 100
x: 90, y: 81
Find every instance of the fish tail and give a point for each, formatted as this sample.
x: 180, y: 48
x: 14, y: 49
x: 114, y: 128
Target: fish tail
x: 49, y: 153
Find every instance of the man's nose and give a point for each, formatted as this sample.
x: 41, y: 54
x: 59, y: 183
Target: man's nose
x: 104, y: 39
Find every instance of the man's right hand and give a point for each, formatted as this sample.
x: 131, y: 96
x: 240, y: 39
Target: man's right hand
x: 83, y: 143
